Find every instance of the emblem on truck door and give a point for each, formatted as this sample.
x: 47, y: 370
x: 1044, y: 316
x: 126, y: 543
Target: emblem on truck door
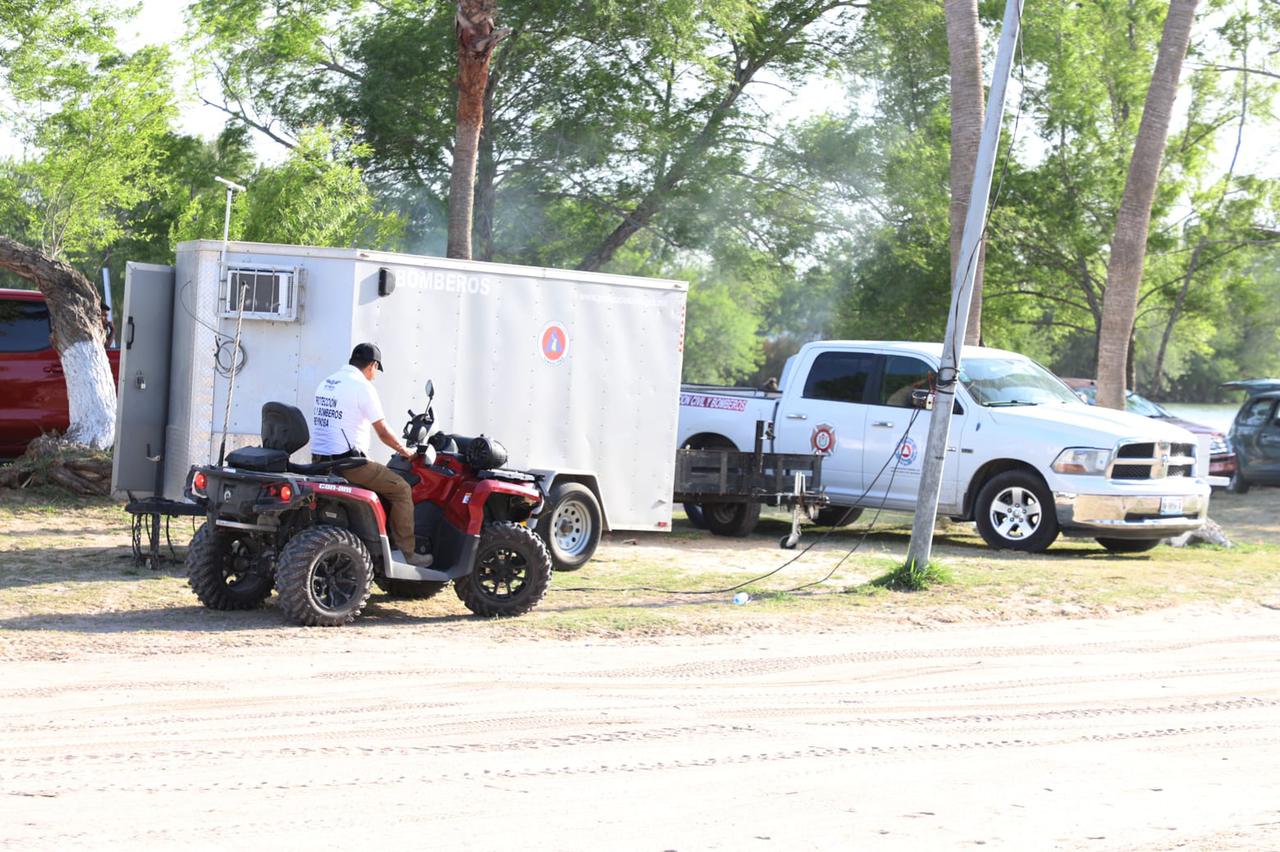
x: 823, y: 439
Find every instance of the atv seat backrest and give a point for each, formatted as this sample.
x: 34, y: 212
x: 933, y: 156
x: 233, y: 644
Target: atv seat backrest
x: 284, y: 427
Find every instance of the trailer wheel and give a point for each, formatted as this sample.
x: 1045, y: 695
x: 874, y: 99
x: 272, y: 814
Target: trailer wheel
x: 697, y: 518
x: 735, y: 520
x: 571, y: 524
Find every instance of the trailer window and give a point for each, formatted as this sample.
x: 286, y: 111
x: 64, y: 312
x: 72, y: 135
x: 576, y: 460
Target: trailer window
x: 24, y: 326
x: 840, y: 376
x: 267, y: 293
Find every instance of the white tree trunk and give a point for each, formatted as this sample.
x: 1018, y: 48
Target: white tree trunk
x: 91, y: 395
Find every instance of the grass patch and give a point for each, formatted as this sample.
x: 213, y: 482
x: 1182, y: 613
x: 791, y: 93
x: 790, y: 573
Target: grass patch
x: 64, y: 566
x: 911, y: 578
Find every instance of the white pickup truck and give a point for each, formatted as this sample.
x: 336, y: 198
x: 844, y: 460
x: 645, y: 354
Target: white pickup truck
x: 1026, y: 459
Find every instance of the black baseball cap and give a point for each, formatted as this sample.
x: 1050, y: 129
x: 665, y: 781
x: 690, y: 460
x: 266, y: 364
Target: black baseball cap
x: 367, y: 352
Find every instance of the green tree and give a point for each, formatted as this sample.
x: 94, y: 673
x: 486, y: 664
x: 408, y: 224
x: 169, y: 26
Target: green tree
x: 315, y: 197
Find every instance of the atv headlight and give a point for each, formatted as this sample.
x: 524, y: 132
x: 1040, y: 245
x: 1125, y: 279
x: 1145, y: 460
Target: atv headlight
x: 1082, y: 460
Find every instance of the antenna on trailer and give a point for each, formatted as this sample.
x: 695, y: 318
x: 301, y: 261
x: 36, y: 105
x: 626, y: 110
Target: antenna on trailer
x: 223, y: 274
x: 232, y: 189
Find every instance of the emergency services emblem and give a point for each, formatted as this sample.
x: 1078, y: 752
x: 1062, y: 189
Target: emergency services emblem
x: 907, y: 452
x: 823, y: 439
x: 554, y: 343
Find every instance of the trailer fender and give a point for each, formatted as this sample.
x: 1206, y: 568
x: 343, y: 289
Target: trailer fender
x: 549, y: 479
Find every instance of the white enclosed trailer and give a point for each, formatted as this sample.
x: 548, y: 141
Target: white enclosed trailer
x: 576, y: 373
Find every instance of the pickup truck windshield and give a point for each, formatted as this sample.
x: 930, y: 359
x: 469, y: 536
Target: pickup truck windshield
x: 1012, y: 381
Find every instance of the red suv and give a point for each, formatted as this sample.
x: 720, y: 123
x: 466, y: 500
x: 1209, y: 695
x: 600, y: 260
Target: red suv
x: 33, y: 393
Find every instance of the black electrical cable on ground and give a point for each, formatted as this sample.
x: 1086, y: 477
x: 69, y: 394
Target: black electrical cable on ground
x: 896, y: 458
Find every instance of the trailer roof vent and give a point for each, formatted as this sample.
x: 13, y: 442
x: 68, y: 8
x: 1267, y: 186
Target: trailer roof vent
x: 269, y: 293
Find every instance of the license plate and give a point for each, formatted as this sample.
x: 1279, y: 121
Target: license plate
x: 1171, y: 505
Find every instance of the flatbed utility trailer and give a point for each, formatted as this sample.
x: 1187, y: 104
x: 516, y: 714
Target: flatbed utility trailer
x: 730, y: 486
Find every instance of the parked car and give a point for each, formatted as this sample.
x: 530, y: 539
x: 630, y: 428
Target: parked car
x: 1030, y: 459
x: 1222, y: 458
x: 1255, y: 434
x: 33, y: 391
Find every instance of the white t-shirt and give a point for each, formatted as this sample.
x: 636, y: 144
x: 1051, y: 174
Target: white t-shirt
x: 345, y: 408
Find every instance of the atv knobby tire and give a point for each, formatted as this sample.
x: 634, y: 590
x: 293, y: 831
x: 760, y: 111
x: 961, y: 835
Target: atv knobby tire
x: 511, y: 575
x: 224, y: 570
x: 324, y: 577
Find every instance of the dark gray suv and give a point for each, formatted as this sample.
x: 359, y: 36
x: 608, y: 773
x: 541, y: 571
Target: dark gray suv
x: 1255, y: 434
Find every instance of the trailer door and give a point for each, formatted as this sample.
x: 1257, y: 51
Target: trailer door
x: 143, y: 392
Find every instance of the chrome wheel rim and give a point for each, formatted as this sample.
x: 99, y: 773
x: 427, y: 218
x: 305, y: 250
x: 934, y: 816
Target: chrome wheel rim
x: 1015, y: 514
x: 571, y: 528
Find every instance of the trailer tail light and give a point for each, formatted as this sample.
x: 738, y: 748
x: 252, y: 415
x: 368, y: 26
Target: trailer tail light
x: 198, y: 483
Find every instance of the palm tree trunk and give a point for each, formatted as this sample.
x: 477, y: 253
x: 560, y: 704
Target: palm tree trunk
x: 1129, y: 245
x: 963, y: 44
x: 476, y: 40
x: 75, y: 312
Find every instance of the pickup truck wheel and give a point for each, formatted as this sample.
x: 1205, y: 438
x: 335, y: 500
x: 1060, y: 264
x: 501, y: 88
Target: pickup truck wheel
x: 1238, y: 484
x: 697, y: 517
x: 836, y: 516
x: 1128, y: 545
x: 735, y: 520
x: 570, y: 525
x: 1015, y: 510
x: 225, y: 569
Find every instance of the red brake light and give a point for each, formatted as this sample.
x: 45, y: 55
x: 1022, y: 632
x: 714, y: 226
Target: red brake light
x: 286, y: 493
x: 198, y: 482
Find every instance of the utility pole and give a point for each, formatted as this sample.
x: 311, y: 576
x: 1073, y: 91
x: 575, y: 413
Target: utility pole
x: 935, y: 453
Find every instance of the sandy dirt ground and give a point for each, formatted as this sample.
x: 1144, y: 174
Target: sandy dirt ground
x: 1152, y: 731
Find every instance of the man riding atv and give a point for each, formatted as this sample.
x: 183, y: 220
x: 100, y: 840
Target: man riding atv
x: 346, y: 407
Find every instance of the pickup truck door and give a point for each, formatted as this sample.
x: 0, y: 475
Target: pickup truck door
x: 888, y: 438
x: 825, y: 412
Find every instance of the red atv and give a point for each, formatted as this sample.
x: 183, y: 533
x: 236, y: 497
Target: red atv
x: 322, y: 542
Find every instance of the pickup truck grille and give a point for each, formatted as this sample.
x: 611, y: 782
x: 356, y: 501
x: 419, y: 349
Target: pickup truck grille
x: 1153, y: 460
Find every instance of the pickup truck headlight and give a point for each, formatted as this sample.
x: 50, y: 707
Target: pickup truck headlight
x: 1086, y: 460
x: 1218, y: 445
